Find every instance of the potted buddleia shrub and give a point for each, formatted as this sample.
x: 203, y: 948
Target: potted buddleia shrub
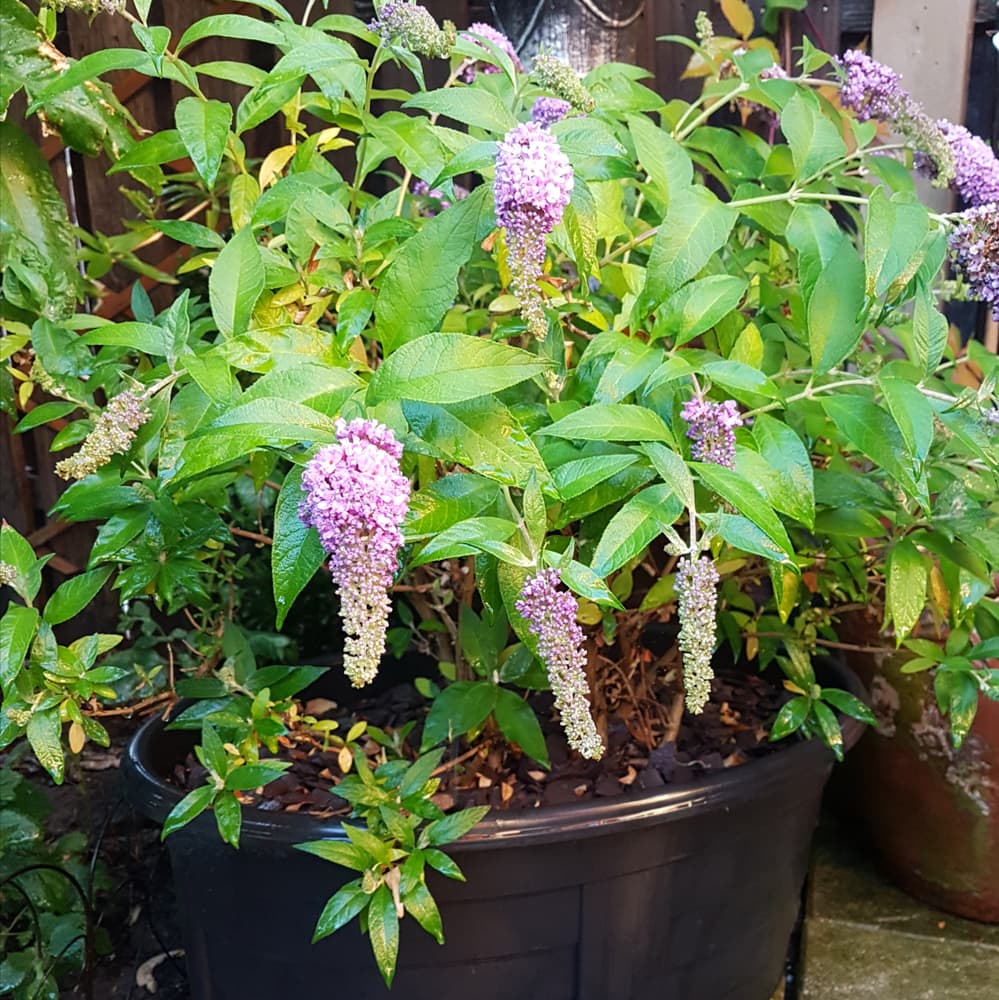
x: 543, y: 373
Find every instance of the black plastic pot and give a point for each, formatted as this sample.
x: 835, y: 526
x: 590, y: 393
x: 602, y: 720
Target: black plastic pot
x: 688, y: 894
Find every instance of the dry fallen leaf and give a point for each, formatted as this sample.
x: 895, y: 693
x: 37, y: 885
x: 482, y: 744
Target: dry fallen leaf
x: 144, y: 977
x: 536, y: 775
x: 345, y: 758
x: 319, y: 706
x: 506, y: 792
x: 628, y: 778
x: 77, y: 737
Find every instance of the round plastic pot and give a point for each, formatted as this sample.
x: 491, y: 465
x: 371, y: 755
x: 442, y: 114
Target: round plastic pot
x: 689, y: 893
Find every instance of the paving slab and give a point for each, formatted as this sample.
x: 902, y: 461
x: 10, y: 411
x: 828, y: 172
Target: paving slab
x: 863, y: 938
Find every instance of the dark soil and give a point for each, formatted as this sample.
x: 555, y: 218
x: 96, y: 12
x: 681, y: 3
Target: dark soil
x: 732, y: 730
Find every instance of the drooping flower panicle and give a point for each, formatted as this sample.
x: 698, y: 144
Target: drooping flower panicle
x: 562, y: 80
x: 484, y: 65
x: 872, y: 90
x: 412, y: 26
x: 711, y: 429
x: 976, y: 168
x: 356, y: 498
x: 548, y: 110
x: 974, y: 247
x: 550, y: 611
x: 533, y: 185
x: 113, y: 434
x: 696, y: 583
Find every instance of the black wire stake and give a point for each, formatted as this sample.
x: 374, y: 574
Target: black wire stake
x: 88, y: 917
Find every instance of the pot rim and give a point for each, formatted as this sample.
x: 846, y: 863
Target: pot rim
x: 155, y: 797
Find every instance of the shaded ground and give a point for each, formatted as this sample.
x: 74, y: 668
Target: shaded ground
x: 863, y: 938
x: 136, y: 910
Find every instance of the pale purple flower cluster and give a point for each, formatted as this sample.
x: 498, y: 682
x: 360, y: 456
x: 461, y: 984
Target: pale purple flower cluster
x: 696, y: 583
x: 356, y: 498
x: 974, y: 246
x: 401, y: 22
x: 871, y: 89
x: 113, y: 434
x: 533, y: 185
x: 711, y: 429
x: 483, y: 65
x: 548, y: 110
x: 551, y: 615
x: 976, y: 169
x: 770, y: 116
x: 435, y: 195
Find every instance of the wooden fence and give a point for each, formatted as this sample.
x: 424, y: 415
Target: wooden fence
x: 938, y: 46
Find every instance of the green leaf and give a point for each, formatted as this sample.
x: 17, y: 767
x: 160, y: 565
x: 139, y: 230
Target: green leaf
x: 297, y: 552
x: 36, y: 237
x: 421, y: 283
x: 698, y: 306
x: 419, y: 773
x: 451, y: 368
x: 611, y: 422
x: 204, y: 128
x: 787, y: 456
x: 580, y: 579
x: 828, y: 727
x: 872, y: 430
x: 907, y: 575
x: 191, y: 233
x: 790, y: 718
x: 467, y: 105
x: 466, y: 538
x: 43, y: 413
x: 481, y: 435
x: 228, y: 817
x: 420, y: 905
x: 696, y: 225
x: 250, y: 776
x: 664, y: 159
x: 143, y: 337
x: 340, y: 909
x: 814, y: 140
x: 929, y: 330
x: 439, y: 861
x: 74, y: 594
x: 447, y: 501
x: 519, y: 724
x: 742, y: 495
x: 574, y: 478
x: 458, y: 709
x: 45, y: 738
x: 252, y: 29
x: 17, y: 632
x: 745, y: 383
x: 452, y: 827
x: 373, y: 846
x: 849, y: 704
x: 338, y: 852
x: 92, y: 66
x: 236, y: 282
x: 672, y: 471
x: 912, y: 412
x: 634, y: 526
x: 893, y: 234
x: 832, y: 284
x: 383, y: 930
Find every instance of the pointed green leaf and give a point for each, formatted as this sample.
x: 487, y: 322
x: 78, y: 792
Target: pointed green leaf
x: 236, y: 282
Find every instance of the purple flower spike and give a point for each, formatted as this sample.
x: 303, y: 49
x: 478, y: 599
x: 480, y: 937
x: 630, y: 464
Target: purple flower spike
x: 551, y: 615
x: 356, y: 498
x: 711, y: 428
x: 974, y: 245
x: 533, y: 185
x: 401, y: 22
x: 695, y: 587
x: 484, y: 65
x: 871, y: 89
x: 976, y: 169
x: 548, y: 110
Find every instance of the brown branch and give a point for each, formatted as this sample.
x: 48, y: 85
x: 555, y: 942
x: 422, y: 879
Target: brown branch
x: 252, y: 535
x: 139, y: 706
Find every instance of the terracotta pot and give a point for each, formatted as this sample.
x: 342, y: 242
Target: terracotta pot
x: 932, y: 811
